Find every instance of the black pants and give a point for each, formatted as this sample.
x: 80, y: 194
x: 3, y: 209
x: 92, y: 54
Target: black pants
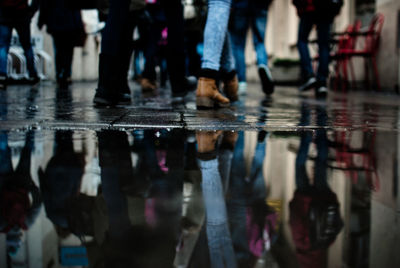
x: 63, y: 51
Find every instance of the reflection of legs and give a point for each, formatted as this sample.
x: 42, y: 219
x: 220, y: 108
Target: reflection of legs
x: 321, y: 140
x: 302, y: 182
x: 218, y: 235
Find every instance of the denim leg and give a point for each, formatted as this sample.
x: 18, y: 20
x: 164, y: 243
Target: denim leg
x: 258, y: 189
x: 5, y: 38
x: 227, y: 60
x: 24, y: 34
x: 305, y: 27
x: 258, y: 27
x: 215, y: 33
x: 218, y: 234
x: 323, y: 29
x: 238, y: 32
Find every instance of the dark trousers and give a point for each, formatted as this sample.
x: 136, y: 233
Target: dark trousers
x: 24, y: 34
x: 307, y: 21
x: 176, y: 47
x: 63, y: 51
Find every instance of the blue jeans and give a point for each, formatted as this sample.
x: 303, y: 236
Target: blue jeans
x: 217, y: 48
x: 307, y: 21
x: 218, y: 234
x: 245, y: 15
x: 24, y: 35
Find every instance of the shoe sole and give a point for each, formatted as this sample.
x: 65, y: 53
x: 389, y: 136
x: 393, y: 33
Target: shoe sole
x: 267, y: 84
x: 208, y: 103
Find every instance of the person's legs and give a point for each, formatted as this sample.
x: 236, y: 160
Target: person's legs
x: 24, y: 35
x: 176, y: 58
x: 107, y: 92
x: 58, y: 45
x: 215, y: 33
x: 238, y: 31
x: 207, y: 94
x: 258, y: 27
x: 5, y: 38
x: 323, y: 29
x: 68, y: 56
x: 306, y: 23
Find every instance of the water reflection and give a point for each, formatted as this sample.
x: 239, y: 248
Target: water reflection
x: 177, y: 198
x: 315, y: 219
x: 20, y: 197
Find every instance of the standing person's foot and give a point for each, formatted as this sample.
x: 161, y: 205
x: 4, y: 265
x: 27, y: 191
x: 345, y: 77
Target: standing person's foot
x: 3, y: 82
x: 208, y: 95
x: 308, y: 83
x: 190, y: 83
x: 231, y: 85
x: 266, y: 79
x: 321, y: 91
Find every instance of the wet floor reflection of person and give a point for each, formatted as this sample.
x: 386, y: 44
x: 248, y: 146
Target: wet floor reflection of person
x: 239, y: 229
x: 60, y: 182
x: 143, y: 202
x: 20, y: 200
x: 219, y: 239
x: 315, y: 219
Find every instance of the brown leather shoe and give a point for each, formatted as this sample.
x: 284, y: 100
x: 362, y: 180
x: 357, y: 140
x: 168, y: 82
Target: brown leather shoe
x: 208, y: 95
x: 148, y: 85
x: 231, y: 88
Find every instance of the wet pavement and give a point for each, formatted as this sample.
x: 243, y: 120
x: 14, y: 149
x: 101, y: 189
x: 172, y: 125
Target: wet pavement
x: 286, y: 181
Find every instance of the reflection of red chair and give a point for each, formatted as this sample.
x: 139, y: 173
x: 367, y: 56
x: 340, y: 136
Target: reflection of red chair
x: 368, y: 51
x: 346, y: 156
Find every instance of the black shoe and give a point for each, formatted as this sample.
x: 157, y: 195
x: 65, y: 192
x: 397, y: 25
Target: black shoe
x: 321, y: 92
x: 190, y: 83
x: 309, y: 83
x: 266, y: 79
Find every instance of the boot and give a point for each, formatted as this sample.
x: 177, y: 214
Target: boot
x: 207, y: 93
x: 231, y: 85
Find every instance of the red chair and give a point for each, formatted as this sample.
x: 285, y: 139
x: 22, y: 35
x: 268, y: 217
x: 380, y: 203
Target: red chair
x: 347, y: 41
x: 368, y: 51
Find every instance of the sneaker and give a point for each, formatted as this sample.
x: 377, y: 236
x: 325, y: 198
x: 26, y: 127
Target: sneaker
x: 242, y: 90
x: 309, y: 83
x: 266, y: 79
x: 321, y: 91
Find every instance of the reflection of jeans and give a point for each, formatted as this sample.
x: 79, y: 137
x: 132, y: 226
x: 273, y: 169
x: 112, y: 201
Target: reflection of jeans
x: 247, y: 15
x: 321, y: 141
x: 218, y: 235
x: 243, y: 192
x: 24, y: 35
x: 217, y: 48
x: 323, y: 28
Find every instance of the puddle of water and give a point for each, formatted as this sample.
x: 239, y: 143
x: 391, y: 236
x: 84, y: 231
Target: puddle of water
x: 177, y: 198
